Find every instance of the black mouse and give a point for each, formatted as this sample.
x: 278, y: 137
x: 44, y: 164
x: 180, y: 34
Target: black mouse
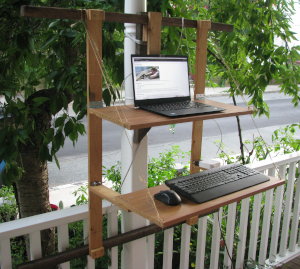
x: 168, y: 197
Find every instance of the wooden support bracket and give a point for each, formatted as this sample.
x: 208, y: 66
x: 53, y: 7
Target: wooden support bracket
x: 201, y: 53
x: 192, y: 221
x: 154, y: 32
x: 110, y: 195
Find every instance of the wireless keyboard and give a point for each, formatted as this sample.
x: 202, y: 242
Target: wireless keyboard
x: 216, y: 182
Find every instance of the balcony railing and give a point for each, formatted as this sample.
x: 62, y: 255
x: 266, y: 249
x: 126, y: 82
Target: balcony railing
x: 263, y: 229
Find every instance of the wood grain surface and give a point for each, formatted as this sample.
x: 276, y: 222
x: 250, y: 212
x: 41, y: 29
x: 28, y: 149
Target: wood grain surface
x: 132, y: 118
x: 143, y: 203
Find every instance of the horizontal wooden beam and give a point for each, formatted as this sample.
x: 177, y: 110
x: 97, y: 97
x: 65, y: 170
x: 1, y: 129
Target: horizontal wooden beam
x: 78, y: 14
x: 67, y: 255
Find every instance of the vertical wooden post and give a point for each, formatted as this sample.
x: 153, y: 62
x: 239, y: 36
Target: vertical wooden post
x: 201, y: 55
x: 154, y: 33
x: 94, y: 21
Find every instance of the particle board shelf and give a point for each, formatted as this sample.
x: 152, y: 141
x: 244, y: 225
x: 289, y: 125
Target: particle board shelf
x: 132, y: 118
x: 142, y: 203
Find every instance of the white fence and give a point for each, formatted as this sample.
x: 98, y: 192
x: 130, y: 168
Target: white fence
x: 261, y: 230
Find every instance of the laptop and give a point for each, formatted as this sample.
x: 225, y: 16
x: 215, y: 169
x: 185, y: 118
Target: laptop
x: 161, y: 85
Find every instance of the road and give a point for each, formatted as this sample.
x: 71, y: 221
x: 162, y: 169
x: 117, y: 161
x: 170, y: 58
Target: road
x: 73, y: 160
x: 281, y: 112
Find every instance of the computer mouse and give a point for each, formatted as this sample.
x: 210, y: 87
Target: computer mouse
x: 168, y: 197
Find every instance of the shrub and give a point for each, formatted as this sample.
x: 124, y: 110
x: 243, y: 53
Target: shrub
x: 8, y: 205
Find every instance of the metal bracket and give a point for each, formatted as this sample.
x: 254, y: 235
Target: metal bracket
x: 96, y: 104
x: 139, y: 135
x: 96, y: 183
x: 196, y: 163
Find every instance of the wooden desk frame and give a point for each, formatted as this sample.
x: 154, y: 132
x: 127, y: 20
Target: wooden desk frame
x: 152, y: 35
x: 152, y: 23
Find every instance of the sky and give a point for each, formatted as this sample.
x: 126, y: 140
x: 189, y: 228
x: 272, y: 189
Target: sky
x: 295, y: 27
x: 296, y: 24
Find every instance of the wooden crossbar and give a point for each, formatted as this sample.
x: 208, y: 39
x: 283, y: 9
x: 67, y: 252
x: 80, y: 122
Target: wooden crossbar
x: 79, y: 14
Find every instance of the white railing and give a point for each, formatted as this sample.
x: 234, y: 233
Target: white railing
x: 241, y: 239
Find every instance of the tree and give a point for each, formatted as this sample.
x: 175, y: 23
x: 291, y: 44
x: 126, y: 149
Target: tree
x: 247, y: 59
x: 43, y: 69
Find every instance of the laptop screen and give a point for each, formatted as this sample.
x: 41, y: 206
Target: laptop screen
x: 160, y: 77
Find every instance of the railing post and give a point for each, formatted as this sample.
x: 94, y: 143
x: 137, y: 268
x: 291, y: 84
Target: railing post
x: 90, y: 261
x: 201, y: 242
x: 277, y: 217
x: 112, y: 229
x: 5, y: 254
x: 287, y: 210
x: 35, y: 245
x: 185, y: 246
x: 63, y: 242
x: 168, y: 248
x: 240, y: 256
x: 230, y: 228
x: 215, y: 242
x: 295, y: 218
x: 254, y: 227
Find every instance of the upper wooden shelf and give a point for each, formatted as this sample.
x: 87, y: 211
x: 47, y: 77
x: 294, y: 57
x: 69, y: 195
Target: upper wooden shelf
x: 142, y: 203
x: 132, y: 118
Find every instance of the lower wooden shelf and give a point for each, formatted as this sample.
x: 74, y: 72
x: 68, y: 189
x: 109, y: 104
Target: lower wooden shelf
x: 142, y: 203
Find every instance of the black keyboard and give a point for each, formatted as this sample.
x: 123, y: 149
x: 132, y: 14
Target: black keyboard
x: 216, y: 182
x: 176, y: 106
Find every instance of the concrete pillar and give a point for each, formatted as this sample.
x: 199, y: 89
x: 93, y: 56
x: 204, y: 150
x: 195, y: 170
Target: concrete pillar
x: 133, y: 154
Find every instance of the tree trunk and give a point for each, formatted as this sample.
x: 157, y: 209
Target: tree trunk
x: 33, y: 194
x: 240, y: 134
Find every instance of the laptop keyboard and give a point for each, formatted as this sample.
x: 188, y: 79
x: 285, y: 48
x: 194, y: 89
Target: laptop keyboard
x: 214, y: 179
x: 177, y: 106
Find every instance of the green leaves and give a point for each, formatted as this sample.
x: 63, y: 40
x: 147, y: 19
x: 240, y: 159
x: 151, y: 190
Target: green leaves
x: 50, y: 54
x: 159, y: 169
x: 113, y: 175
x: 248, y: 59
x: 164, y: 167
x: 66, y: 126
x: 284, y: 140
x: 72, y: 129
x: 8, y: 207
x: 42, y: 70
x: 38, y: 101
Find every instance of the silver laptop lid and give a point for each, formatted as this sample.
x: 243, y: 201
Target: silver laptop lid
x: 159, y: 79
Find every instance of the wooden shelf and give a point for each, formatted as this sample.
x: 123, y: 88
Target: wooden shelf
x: 131, y: 118
x: 142, y: 203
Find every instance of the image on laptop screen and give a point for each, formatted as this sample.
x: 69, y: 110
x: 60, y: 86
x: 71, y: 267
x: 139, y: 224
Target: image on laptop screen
x: 160, y: 77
